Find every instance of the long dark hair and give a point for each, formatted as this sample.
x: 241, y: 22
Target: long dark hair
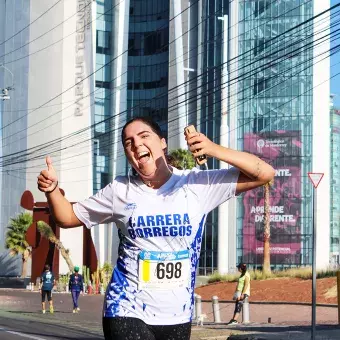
x: 146, y: 120
x: 243, y: 268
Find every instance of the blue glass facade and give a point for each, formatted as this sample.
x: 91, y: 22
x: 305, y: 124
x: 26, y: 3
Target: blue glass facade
x: 275, y: 120
x: 210, y: 115
x: 101, y: 135
x: 148, y: 59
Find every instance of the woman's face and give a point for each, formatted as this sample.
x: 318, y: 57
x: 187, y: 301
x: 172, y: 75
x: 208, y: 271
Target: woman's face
x: 144, y: 149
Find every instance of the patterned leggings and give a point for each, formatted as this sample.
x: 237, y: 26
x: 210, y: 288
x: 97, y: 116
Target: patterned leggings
x: 120, y: 328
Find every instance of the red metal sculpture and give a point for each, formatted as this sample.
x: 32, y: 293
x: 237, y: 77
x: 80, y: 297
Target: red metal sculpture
x: 43, y: 251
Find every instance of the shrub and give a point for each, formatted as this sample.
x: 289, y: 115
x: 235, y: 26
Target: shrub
x: 304, y: 273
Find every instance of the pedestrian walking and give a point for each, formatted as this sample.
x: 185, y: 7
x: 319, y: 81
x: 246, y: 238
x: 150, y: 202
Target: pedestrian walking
x: 242, y: 292
x: 76, y: 285
x: 47, y: 282
x: 160, y: 213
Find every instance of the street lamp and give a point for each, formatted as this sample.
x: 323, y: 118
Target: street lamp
x: 4, y: 92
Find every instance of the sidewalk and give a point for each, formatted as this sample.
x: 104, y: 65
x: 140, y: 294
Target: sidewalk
x: 275, y: 332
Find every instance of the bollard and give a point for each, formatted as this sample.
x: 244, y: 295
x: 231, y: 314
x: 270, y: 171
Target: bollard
x: 269, y: 320
x: 216, y: 309
x: 198, y: 306
x: 245, y: 311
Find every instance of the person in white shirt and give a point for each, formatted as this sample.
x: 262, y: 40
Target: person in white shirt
x: 160, y: 213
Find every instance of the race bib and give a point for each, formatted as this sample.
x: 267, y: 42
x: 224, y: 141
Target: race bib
x: 164, y: 270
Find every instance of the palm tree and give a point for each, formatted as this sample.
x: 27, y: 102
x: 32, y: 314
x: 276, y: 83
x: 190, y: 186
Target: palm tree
x: 16, y: 239
x: 46, y: 231
x: 181, y: 159
x: 266, y: 228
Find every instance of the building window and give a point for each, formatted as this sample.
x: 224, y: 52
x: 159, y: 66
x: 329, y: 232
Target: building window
x: 260, y: 85
x: 148, y: 85
x: 103, y: 42
x: 105, y: 179
x: 259, y: 46
x: 334, y: 240
x: 260, y: 7
x: 103, y: 84
x: 96, y: 147
x: 156, y: 42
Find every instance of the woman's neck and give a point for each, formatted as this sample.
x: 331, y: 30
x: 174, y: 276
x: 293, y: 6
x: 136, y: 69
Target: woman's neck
x: 161, y: 179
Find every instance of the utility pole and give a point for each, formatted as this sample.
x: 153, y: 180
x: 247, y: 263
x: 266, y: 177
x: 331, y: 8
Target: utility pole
x: 315, y: 178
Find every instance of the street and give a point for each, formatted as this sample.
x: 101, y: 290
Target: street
x: 21, y: 318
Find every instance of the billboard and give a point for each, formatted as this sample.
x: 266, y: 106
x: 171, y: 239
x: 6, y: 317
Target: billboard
x: 281, y: 149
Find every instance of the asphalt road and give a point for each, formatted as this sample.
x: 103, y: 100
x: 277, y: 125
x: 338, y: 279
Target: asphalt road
x: 13, y: 327
x: 21, y: 318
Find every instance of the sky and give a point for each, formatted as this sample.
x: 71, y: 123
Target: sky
x: 335, y: 81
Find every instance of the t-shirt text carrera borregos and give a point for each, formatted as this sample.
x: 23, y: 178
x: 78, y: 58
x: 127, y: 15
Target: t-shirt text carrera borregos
x: 159, y: 225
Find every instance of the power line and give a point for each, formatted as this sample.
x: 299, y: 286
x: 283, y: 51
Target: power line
x: 208, y: 118
x: 41, y: 15
x: 175, y: 87
x: 194, y: 48
x: 94, y: 72
x: 271, y: 65
x: 50, y: 30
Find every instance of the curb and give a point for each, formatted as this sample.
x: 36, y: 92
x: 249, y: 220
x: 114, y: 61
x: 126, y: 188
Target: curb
x: 279, y: 303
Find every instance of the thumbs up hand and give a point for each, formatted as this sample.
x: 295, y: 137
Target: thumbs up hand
x: 48, y: 179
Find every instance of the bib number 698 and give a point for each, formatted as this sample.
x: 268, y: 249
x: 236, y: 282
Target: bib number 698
x: 169, y: 270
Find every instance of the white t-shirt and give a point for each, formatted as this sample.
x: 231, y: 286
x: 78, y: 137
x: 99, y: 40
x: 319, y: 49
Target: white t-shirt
x: 160, y: 235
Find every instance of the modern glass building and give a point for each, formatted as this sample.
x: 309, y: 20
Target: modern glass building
x: 102, y: 95
x: 277, y: 70
x: 335, y: 185
x: 275, y: 121
x: 143, y: 77
x: 12, y: 116
x: 209, y: 118
x: 243, y: 72
x: 264, y: 101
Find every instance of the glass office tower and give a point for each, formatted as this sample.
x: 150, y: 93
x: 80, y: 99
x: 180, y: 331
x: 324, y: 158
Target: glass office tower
x: 274, y: 121
x: 102, y: 96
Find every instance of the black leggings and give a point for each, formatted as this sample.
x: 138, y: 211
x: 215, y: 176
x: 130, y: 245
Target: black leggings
x: 121, y: 328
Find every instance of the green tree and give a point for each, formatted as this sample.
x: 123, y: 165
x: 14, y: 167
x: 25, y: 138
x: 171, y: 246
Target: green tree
x: 46, y: 231
x: 266, y: 228
x: 181, y: 159
x: 16, y: 238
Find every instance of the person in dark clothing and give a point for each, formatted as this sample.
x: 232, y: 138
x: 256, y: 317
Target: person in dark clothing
x: 47, y: 282
x: 76, y: 285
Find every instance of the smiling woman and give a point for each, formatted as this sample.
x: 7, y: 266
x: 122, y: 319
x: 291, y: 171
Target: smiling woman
x: 160, y: 213
x: 145, y: 150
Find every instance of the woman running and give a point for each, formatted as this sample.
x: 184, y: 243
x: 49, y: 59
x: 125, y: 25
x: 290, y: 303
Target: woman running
x: 160, y: 213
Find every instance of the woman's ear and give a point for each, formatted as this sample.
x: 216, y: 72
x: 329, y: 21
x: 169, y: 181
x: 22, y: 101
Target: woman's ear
x: 163, y: 143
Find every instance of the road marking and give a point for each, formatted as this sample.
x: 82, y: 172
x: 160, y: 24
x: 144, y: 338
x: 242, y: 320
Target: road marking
x: 22, y: 334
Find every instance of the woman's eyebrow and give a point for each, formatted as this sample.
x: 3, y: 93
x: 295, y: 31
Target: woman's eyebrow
x: 139, y: 133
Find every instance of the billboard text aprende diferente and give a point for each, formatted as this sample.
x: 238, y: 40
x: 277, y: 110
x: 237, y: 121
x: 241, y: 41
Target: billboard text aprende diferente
x: 282, y: 149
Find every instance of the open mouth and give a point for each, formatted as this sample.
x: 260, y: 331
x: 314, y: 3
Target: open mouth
x: 143, y: 157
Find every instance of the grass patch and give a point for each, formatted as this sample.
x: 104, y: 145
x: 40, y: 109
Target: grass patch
x: 304, y: 273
